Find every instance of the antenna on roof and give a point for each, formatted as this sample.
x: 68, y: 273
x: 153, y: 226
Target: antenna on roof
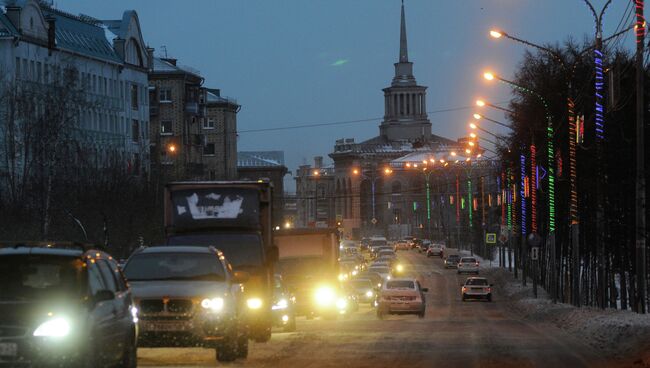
x: 164, y: 49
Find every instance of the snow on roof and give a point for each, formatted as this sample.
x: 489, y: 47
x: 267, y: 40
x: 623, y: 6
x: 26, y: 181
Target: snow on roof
x: 260, y: 158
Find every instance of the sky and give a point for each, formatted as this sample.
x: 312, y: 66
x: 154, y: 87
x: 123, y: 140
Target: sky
x: 299, y: 62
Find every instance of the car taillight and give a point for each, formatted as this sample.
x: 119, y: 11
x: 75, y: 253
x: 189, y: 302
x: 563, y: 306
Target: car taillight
x: 476, y: 264
x: 489, y: 290
x: 464, y: 289
x: 460, y: 264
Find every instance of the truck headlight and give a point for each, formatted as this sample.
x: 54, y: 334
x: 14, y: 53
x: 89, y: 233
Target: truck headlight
x: 254, y: 303
x: 399, y: 268
x: 281, y: 304
x: 369, y: 293
x: 214, y: 304
x: 341, y: 303
x: 56, y: 327
x: 325, y: 296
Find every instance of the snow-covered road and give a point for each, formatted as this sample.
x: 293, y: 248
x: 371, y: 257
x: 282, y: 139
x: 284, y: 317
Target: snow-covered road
x: 453, y: 334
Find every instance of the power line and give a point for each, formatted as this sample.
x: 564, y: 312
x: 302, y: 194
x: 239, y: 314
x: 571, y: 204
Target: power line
x: 313, y: 125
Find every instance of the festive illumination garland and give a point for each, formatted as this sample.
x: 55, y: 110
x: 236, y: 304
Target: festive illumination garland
x: 509, y: 194
x: 469, y: 200
x: 573, y: 140
x: 533, y: 192
x: 599, y: 84
x: 522, y: 192
x: 459, y: 201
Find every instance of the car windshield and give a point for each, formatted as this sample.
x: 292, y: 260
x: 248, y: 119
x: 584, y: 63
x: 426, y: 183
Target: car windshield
x: 28, y: 277
x: 400, y: 284
x: 476, y: 282
x: 468, y: 260
x: 241, y: 250
x: 379, y: 269
x: 174, y: 266
x: 360, y: 284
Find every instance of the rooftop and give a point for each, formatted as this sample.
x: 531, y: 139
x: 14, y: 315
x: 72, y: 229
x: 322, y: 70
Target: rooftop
x: 260, y: 159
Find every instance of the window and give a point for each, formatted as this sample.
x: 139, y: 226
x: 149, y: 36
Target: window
x: 18, y: 68
x: 95, y: 281
x: 208, y: 149
x: 135, y: 130
x: 165, y: 95
x: 166, y: 127
x: 134, y: 96
x: 208, y: 123
x: 107, y: 275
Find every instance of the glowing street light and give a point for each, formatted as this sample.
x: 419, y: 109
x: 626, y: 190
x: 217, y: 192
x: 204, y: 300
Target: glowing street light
x: 472, y: 134
x: 480, y: 103
x: 489, y: 76
x: 473, y: 126
x: 495, y: 34
x: 477, y: 116
x: 171, y: 148
x: 453, y: 153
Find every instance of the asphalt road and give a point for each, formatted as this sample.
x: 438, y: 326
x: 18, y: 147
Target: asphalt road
x: 452, y: 334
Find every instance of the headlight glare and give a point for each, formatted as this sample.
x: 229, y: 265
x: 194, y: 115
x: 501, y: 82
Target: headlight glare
x: 57, y: 327
x: 214, y: 304
x: 400, y: 268
x: 341, y: 303
x: 369, y: 293
x: 254, y: 303
x: 281, y: 304
x: 325, y: 295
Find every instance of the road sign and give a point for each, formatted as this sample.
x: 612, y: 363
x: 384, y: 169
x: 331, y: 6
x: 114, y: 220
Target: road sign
x: 374, y: 221
x: 534, y: 253
x: 490, y: 238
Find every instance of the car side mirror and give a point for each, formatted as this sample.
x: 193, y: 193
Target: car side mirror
x: 102, y: 296
x: 240, y: 277
x: 425, y: 290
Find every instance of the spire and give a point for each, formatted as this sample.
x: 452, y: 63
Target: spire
x: 403, y: 47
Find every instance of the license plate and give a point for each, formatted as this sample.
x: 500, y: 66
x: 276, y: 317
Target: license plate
x: 171, y: 326
x: 8, y: 349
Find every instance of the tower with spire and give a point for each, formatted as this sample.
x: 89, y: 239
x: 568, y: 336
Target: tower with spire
x: 405, y: 113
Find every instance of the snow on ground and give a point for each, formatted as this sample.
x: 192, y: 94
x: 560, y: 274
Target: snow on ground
x: 613, y: 332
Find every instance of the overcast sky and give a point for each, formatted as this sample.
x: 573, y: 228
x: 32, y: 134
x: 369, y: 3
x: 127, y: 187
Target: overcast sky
x: 294, y: 62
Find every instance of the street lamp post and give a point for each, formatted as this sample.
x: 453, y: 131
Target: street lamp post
x: 550, y: 171
x: 373, y: 183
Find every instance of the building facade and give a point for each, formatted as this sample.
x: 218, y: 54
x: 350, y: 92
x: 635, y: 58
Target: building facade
x: 194, y: 128
x: 266, y: 165
x: 315, y: 195
x: 107, y: 60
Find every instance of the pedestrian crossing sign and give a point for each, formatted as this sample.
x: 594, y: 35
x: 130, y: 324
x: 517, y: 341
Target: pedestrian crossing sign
x: 490, y: 238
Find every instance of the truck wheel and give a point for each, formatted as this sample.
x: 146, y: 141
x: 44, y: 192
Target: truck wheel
x: 291, y: 325
x: 227, y: 351
x: 242, y: 346
x: 262, y: 335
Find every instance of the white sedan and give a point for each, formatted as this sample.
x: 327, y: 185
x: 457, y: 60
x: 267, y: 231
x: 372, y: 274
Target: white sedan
x: 401, y: 296
x: 476, y: 288
x: 468, y: 265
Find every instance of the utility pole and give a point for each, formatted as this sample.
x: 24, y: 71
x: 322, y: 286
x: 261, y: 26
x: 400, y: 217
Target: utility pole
x: 640, y: 172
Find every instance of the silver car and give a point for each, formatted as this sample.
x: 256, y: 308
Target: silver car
x: 188, y: 296
x: 468, y: 265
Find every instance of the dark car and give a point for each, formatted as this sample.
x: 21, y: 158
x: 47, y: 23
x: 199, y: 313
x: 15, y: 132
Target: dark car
x: 189, y: 296
x: 283, y: 309
x: 63, y: 305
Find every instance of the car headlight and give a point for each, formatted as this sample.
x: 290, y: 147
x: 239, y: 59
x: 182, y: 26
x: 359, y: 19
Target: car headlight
x: 354, y: 273
x: 343, y: 277
x: 254, y: 303
x: 281, y: 304
x: 325, y: 295
x: 56, y: 327
x: 388, y: 277
x: 214, y: 304
x: 369, y: 293
x: 134, y: 313
x: 399, y: 268
x: 341, y: 303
